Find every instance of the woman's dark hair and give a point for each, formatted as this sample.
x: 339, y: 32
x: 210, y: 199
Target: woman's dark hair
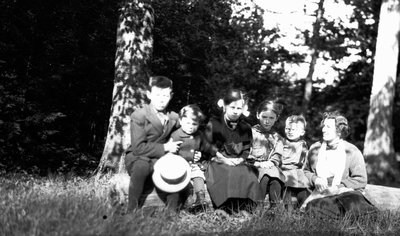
x: 232, y: 95
x: 341, y: 123
x: 270, y: 105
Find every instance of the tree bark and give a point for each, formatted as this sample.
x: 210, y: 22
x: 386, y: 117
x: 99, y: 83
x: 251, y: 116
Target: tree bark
x: 134, y: 48
x: 314, y: 55
x: 378, y: 147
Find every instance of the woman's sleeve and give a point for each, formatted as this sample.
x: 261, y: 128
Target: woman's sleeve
x: 310, y: 163
x: 252, y: 142
x: 247, y: 144
x: 207, y: 140
x: 208, y: 132
x: 357, y: 172
x: 206, y: 146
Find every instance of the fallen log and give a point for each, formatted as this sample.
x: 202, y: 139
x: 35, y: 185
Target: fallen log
x: 384, y: 198
x: 118, y: 193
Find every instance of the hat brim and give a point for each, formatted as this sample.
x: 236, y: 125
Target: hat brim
x: 166, y: 187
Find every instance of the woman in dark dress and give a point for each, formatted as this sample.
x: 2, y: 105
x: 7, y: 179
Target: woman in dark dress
x: 232, y: 184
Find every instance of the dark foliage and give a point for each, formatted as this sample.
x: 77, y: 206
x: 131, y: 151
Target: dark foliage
x: 57, y: 71
x: 351, y: 93
x: 206, y: 51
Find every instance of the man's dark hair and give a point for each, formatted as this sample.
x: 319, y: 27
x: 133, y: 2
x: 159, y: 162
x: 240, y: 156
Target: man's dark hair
x: 160, y: 82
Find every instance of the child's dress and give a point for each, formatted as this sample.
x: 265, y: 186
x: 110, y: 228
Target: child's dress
x: 293, y: 158
x: 268, y: 146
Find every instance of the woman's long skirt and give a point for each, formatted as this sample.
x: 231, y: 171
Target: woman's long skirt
x: 225, y: 182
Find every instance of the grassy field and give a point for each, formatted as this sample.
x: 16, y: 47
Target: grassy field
x: 76, y: 206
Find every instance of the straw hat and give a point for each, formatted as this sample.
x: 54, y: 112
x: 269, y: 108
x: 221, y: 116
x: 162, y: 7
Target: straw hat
x: 171, y: 173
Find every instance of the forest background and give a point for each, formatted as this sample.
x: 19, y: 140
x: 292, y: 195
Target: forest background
x: 57, y: 66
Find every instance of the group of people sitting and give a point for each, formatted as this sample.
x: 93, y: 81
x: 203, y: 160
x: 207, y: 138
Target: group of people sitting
x: 240, y: 165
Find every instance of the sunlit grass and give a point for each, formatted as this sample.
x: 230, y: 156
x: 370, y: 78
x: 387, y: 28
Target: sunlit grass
x: 76, y: 206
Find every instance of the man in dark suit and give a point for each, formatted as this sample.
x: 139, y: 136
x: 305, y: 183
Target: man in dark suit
x: 151, y: 127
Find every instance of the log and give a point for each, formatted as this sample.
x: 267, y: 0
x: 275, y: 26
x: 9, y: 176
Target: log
x: 384, y: 198
x: 152, y: 197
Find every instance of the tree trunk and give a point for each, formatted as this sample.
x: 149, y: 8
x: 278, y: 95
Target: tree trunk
x: 134, y: 48
x: 378, y: 147
x: 319, y: 14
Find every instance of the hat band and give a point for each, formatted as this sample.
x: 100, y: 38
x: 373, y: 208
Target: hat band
x: 174, y: 181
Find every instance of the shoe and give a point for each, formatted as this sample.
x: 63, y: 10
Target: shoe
x: 244, y: 214
x: 200, y: 205
x: 169, y: 214
x: 221, y: 213
x: 273, y: 206
x: 289, y: 207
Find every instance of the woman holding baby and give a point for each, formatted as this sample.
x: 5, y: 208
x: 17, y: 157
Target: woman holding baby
x: 336, y: 171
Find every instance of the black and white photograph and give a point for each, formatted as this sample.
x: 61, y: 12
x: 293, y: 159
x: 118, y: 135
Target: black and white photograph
x: 199, y: 117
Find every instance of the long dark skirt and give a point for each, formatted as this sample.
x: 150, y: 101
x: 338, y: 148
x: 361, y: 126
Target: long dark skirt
x: 351, y: 203
x: 232, y: 182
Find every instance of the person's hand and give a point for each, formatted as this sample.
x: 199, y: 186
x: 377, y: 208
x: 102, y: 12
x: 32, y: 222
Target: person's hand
x: 321, y: 184
x: 266, y: 164
x: 237, y: 161
x: 250, y: 159
x: 218, y: 158
x: 222, y: 159
x: 220, y: 155
x: 197, y: 156
x: 333, y: 189
x: 288, y: 167
x: 172, y: 146
x: 229, y: 162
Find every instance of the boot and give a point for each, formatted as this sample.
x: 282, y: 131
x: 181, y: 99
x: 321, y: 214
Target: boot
x: 200, y: 198
x: 200, y: 204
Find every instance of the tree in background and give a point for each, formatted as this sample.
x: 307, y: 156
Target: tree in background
x: 327, y: 43
x: 57, y: 58
x: 203, y: 46
x: 134, y: 48
x: 315, y: 49
x: 378, y: 147
x: 207, y: 46
x: 351, y: 91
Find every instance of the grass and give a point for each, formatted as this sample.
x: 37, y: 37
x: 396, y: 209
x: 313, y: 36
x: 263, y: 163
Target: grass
x: 76, y: 206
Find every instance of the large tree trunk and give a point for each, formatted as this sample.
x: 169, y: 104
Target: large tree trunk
x: 134, y: 47
x: 319, y: 14
x: 378, y: 147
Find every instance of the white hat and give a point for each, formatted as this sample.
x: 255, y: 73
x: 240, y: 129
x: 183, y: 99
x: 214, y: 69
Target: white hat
x: 171, y: 173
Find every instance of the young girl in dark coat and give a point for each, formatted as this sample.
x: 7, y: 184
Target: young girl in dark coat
x: 232, y: 184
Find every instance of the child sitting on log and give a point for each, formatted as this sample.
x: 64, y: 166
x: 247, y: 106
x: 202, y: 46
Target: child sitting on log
x: 193, y: 145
